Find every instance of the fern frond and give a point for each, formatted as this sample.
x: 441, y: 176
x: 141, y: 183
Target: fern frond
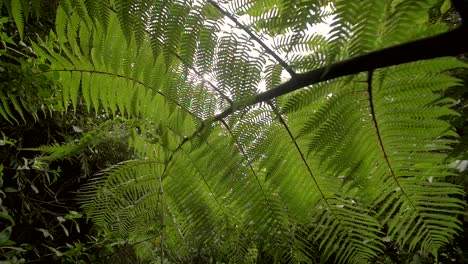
x: 347, y: 229
x: 237, y: 74
x: 409, y: 133
x: 98, y: 11
x: 79, y: 8
x: 406, y: 160
x: 335, y: 168
x: 429, y: 220
x: 17, y: 12
x: 5, y: 109
x: 206, y: 49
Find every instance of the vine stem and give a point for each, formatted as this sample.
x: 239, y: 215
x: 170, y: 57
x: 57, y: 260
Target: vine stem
x: 163, y: 220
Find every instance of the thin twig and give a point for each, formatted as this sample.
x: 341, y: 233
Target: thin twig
x: 224, y: 96
x: 254, y: 37
x: 301, y: 154
x: 163, y: 220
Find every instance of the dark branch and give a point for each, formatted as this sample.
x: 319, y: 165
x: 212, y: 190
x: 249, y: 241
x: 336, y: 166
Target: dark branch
x: 452, y: 43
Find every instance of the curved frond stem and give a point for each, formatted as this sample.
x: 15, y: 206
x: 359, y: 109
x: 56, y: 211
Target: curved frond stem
x: 163, y: 220
x: 244, y: 154
x: 379, y: 136
x: 462, y: 8
x: 255, y: 38
x: 296, y: 145
x: 451, y: 43
x: 176, y: 225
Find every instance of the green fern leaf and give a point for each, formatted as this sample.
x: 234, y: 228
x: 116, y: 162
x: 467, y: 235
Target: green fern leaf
x: 126, y: 21
x: 329, y: 171
x: 6, y: 111
x: 85, y: 89
x: 18, y: 15
x: 74, y: 88
x: 17, y: 106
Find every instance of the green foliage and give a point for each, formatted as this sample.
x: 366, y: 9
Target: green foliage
x: 38, y: 193
x: 23, y: 89
x: 23, y: 93
x: 23, y: 11
x: 340, y: 171
x: 8, y: 248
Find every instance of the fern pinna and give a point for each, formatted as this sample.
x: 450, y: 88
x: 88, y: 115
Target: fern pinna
x: 234, y: 160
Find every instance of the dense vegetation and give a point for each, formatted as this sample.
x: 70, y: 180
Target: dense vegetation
x: 233, y: 131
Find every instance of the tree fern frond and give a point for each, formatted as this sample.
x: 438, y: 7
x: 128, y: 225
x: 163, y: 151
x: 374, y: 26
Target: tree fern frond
x: 278, y: 17
x: 18, y: 15
x: 329, y: 171
x: 5, y: 109
x: 79, y: 8
x: 206, y: 49
x: 140, y: 13
x: 103, y: 65
x: 309, y: 96
x: 157, y: 22
x: 177, y: 14
x: 17, y: 106
x: 190, y: 37
x: 404, y: 18
x: 349, y: 249
x: 126, y: 186
x: 407, y: 115
x: 341, y: 222
x: 403, y: 162
x: 98, y: 11
x: 93, y: 8
x: 237, y: 74
x: 125, y: 17
x: 273, y: 76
